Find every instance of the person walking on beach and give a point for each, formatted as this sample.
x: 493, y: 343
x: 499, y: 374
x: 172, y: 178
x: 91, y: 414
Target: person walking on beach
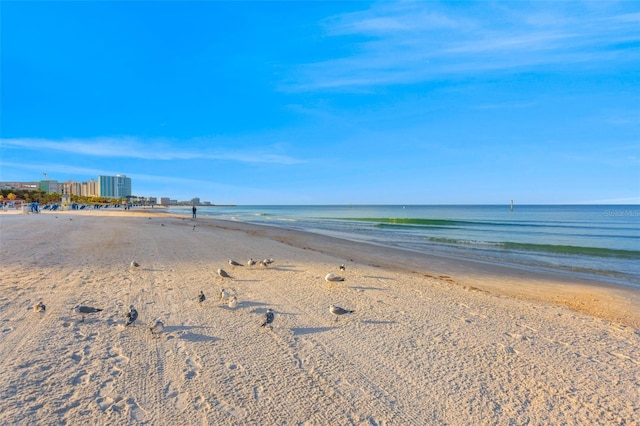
x: 194, y: 212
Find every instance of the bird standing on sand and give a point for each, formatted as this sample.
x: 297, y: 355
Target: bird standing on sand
x: 224, y: 295
x: 222, y: 273
x: 233, y: 302
x: 83, y: 310
x: 332, y: 277
x: 251, y: 262
x: 342, y: 268
x: 268, y: 317
x: 337, y: 311
x: 131, y: 316
x: 40, y: 307
x: 201, y: 297
x: 157, y: 327
x: 234, y: 263
x: 134, y: 264
x: 266, y: 262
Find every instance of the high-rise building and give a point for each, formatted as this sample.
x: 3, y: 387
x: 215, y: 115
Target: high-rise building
x: 90, y: 189
x: 118, y: 186
x: 72, y: 187
x: 50, y: 186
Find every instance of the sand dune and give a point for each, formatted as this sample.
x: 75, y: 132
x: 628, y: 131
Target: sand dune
x: 427, y: 343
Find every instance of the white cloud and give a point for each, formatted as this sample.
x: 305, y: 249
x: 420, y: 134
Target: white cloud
x: 130, y: 147
x: 400, y: 43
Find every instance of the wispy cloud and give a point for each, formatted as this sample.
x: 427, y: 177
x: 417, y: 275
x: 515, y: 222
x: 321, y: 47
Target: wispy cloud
x: 409, y: 42
x: 54, y: 169
x: 136, y: 148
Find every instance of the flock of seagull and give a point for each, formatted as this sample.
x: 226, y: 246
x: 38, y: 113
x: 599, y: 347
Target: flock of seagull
x: 157, y: 326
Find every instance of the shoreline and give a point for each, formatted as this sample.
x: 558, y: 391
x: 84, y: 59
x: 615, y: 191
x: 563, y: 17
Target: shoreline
x: 602, y: 299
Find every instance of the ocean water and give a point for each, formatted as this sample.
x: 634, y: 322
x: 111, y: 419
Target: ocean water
x: 592, y: 241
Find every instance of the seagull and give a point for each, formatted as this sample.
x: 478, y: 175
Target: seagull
x: 224, y: 295
x: 268, y: 318
x: 332, y: 277
x: 223, y: 273
x: 40, y: 307
x: 233, y: 302
x: 201, y: 297
x: 134, y: 264
x: 342, y: 268
x: 234, y: 263
x: 337, y: 311
x: 251, y: 262
x: 83, y: 310
x: 266, y: 262
x: 157, y: 327
x: 131, y: 316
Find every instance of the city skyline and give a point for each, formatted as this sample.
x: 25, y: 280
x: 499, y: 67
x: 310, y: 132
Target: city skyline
x: 328, y: 102
x: 90, y: 188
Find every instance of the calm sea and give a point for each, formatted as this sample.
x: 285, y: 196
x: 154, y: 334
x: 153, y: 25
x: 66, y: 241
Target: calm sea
x: 596, y: 241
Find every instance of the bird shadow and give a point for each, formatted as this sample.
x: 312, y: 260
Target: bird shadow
x: 248, y: 304
x: 182, y: 328
x: 363, y: 288
x: 196, y: 337
x: 378, y: 277
x: 281, y: 269
x: 299, y: 331
x: 378, y: 322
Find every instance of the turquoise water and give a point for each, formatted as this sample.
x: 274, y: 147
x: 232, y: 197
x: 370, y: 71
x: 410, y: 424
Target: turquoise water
x: 597, y: 241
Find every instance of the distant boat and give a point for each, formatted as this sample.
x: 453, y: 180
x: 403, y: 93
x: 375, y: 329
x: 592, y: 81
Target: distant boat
x: 511, y: 205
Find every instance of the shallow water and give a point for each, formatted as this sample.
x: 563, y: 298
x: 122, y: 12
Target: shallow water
x: 598, y: 241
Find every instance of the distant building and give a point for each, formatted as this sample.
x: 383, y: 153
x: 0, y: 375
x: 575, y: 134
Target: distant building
x: 72, y: 187
x: 50, y: 186
x: 165, y: 201
x: 118, y: 186
x: 90, y: 189
x: 27, y: 186
x: 195, y: 201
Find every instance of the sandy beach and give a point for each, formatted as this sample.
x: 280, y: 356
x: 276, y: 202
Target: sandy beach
x: 431, y: 341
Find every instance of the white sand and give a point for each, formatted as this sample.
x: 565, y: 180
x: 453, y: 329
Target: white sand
x: 436, y: 343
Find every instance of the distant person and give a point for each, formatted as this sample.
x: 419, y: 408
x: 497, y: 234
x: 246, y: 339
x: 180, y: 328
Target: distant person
x: 194, y: 211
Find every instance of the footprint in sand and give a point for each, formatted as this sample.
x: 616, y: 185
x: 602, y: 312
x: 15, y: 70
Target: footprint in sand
x: 180, y: 399
x: 79, y: 356
x: 82, y: 378
x: 134, y: 411
x: 193, y: 368
x: 118, y: 359
x: 200, y: 402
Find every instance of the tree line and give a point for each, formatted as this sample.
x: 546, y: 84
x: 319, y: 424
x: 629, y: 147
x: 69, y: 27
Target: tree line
x: 39, y: 196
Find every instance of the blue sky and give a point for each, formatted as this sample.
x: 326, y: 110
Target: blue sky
x: 327, y: 102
